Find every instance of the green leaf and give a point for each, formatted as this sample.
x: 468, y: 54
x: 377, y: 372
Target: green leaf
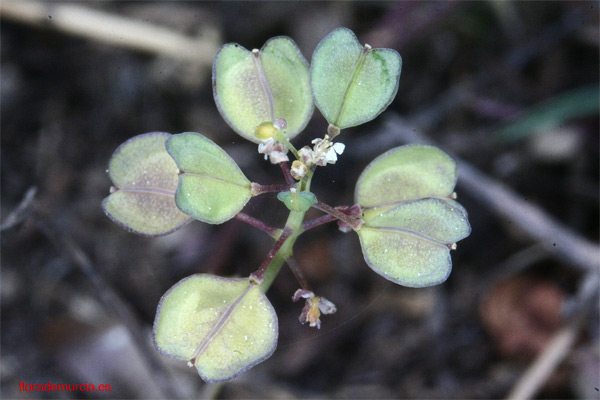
x: 251, y: 88
x: 145, y: 178
x: 434, y: 219
x: 405, y: 259
x: 212, y: 188
x: 406, y: 173
x: 410, y: 243
x: 222, y: 326
x: 353, y: 84
x: 578, y: 103
x: 301, y: 201
x: 410, y: 218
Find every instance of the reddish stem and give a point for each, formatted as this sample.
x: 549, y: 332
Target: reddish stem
x: 257, y: 275
x: 257, y: 223
x: 285, y: 168
x: 313, y: 223
x: 355, y: 223
x: 258, y: 189
x: 298, y: 273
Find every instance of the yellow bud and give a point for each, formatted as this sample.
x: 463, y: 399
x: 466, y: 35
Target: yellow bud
x: 265, y: 130
x: 314, y: 313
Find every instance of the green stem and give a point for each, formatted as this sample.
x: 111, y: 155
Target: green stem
x: 281, y: 138
x: 294, y: 223
x: 305, y: 182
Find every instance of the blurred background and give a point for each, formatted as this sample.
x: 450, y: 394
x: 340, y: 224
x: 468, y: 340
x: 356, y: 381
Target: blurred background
x: 508, y: 88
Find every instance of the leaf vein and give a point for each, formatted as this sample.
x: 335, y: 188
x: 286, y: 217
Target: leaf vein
x: 220, y: 323
x: 418, y: 235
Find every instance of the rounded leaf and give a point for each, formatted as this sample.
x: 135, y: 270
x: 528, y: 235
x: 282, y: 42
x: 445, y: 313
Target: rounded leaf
x: 251, y: 88
x: 410, y: 219
x: 145, y: 179
x: 352, y: 84
x: 406, y: 173
x: 409, y: 243
x: 432, y: 219
x: 222, y: 326
x: 212, y: 188
x: 403, y: 258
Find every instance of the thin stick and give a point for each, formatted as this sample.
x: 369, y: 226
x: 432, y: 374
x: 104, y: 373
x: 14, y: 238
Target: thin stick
x: 21, y: 211
x: 263, y: 226
x: 257, y: 275
x: 112, y: 29
x: 556, y: 237
x: 547, y: 362
x: 113, y: 302
x: 313, y: 223
x: 291, y: 261
x: 557, y: 350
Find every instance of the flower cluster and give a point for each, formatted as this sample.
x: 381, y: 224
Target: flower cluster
x: 323, y: 152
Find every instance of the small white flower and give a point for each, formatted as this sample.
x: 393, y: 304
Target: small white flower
x: 298, y: 170
x: 313, y: 307
x: 275, y: 151
x: 302, y: 293
x: 326, y: 306
x: 330, y: 156
x: 266, y: 145
x: 333, y: 151
x: 277, y: 157
x: 339, y: 147
x: 323, y: 152
x: 305, y: 155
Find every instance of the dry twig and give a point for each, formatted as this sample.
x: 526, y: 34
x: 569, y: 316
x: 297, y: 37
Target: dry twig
x: 111, y: 29
x: 21, y: 211
x: 557, y: 350
x: 545, y: 364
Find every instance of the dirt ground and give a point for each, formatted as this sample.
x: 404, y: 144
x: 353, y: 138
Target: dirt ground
x: 508, y: 88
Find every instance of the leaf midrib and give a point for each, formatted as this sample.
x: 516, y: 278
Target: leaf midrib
x: 216, y: 178
x: 220, y: 324
x: 405, y: 202
x: 357, y: 67
x: 148, y: 190
x: 410, y: 233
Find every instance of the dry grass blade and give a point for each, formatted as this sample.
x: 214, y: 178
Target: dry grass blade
x: 21, y: 211
x: 559, y: 347
x: 111, y: 29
